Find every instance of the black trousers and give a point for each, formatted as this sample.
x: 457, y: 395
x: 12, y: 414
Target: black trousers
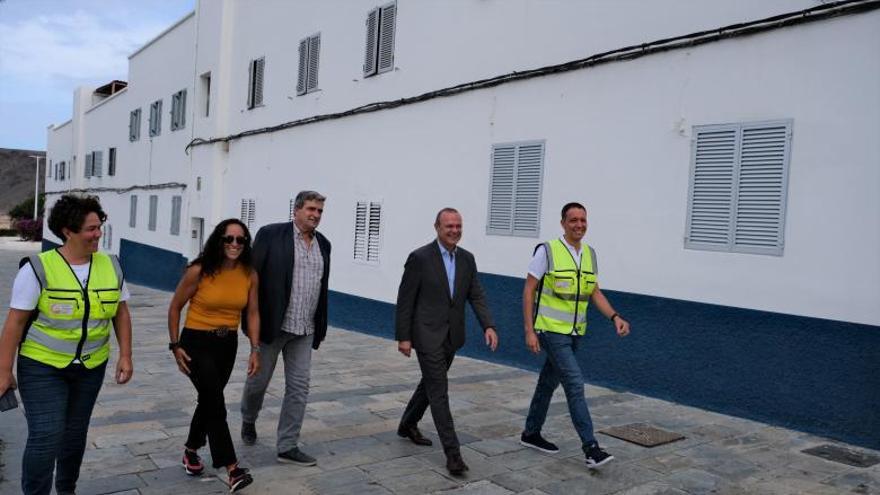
x: 433, y: 391
x: 212, y: 360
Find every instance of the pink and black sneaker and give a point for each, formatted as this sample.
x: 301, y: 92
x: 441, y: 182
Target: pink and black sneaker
x: 192, y: 463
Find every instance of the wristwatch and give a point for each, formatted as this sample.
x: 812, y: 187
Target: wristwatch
x: 172, y: 346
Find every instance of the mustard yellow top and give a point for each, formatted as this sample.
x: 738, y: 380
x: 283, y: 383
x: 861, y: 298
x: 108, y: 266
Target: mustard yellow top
x: 218, y: 300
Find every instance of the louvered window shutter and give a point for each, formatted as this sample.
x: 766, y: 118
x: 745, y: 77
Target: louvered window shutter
x: 131, y: 123
x: 292, y: 207
x: 244, y: 209
x: 132, y: 212
x: 527, y: 196
x: 108, y: 234
x: 175, y: 105
x: 252, y: 213
x: 374, y: 232
x: 314, y: 58
x: 501, y: 190
x: 250, y: 93
x: 372, y: 37
x: 259, y: 68
x: 386, y: 38
x: 111, y: 161
x: 97, y: 164
x: 303, y: 67
x: 181, y: 112
x: 175, y: 215
x: 88, y: 167
x: 762, y: 188
x: 738, y: 188
x: 153, y: 213
x: 360, y: 231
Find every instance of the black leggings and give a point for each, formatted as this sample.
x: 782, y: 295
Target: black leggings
x: 212, y: 359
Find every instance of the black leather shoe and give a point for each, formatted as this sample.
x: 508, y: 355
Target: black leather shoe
x: 248, y: 433
x: 414, y: 435
x: 455, y: 464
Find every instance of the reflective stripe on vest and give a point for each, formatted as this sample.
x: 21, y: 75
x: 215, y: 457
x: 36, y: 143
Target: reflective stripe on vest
x: 565, y: 290
x: 72, y: 322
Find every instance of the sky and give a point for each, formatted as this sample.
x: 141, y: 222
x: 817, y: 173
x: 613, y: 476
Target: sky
x: 49, y: 47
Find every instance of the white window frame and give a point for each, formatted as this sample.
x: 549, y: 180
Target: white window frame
x: 739, y: 204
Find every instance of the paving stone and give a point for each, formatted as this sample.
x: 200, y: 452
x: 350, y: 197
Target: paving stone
x: 336, y: 480
x: 608, y: 479
x: 697, y: 482
x: 496, y: 447
x: 110, y: 484
x: 419, y: 483
x: 393, y: 468
x: 484, y: 487
x: 522, y: 479
x: 652, y: 488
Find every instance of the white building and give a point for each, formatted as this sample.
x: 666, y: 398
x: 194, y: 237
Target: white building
x: 736, y: 167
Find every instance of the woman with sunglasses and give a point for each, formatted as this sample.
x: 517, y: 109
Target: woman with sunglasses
x: 218, y: 285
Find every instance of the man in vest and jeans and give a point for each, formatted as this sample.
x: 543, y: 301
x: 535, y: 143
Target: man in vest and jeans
x: 560, y: 285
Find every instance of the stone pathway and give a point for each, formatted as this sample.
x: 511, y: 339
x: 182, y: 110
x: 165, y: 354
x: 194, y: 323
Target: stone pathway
x: 360, y: 385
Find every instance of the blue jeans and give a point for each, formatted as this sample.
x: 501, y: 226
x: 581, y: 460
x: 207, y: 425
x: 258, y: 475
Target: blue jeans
x: 57, y: 406
x: 561, y: 366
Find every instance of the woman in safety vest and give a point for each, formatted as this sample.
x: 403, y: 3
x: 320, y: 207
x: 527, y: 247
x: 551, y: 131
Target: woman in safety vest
x: 64, y: 303
x: 218, y: 285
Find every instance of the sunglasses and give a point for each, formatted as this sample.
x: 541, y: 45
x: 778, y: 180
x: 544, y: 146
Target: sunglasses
x: 240, y: 240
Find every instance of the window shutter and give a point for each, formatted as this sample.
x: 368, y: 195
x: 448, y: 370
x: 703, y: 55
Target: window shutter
x: 292, y: 207
x: 386, y: 38
x: 243, y: 213
x: 303, y: 67
x: 374, y: 232
x: 181, y: 111
x: 372, y: 36
x: 111, y: 161
x: 154, y: 209
x: 360, y: 231
x: 252, y: 213
x: 88, y: 167
x: 250, y: 93
x: 158, y: 117
x: 314, y: 59
x: 501, y: 190
x: 527, y: 196
x: 97, y: 164
x: 175, y: 215
x: 175, y: 102
x: 131, y: 123
x: 711, y: 192
x: 132, y: 212
x: 762, y: 187
x: 108, y: 236
x: 259, y: 67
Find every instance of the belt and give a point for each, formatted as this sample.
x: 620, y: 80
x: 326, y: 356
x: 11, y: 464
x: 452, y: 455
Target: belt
x: 217, y: 332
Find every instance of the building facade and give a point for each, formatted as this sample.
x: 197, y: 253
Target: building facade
x: 726, y: 152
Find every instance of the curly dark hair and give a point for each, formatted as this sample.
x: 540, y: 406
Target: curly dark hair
x: 212, y: 256
x: 70, y: 212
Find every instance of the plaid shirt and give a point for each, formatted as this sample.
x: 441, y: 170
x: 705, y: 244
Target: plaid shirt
x: 308, y: 268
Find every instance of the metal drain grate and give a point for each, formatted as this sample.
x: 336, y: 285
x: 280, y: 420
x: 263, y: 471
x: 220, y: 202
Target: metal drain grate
x: 843, y: 455
x: 642, y: 434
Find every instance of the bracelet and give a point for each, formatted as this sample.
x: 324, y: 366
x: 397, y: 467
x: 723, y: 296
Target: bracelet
x: 255, y: 348
x: 615, y: 315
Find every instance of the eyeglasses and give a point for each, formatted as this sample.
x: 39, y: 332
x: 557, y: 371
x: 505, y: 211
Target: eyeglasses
x: 240, y: 240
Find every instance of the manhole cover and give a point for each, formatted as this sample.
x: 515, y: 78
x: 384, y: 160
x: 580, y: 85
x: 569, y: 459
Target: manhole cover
x: 843, y: 455
x: 642, y: 434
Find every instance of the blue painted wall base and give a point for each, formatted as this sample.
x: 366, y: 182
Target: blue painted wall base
x: 151, y: 266
x: 813, y: 375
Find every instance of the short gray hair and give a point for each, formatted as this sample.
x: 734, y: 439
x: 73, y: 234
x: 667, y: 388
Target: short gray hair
x: 304, y: 196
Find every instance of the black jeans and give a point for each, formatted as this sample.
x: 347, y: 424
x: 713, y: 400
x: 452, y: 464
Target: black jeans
x: 212, y: 359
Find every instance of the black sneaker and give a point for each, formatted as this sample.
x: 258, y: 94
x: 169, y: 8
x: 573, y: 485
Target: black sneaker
x: 536, y: 441
x: 248, y: 433
x: 296, y: 456
x: 596, y: 456
x: 239, y: 478
x: 192, y: 463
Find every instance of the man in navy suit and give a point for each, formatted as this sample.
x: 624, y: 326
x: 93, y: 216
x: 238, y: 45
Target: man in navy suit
x: 437, y: 280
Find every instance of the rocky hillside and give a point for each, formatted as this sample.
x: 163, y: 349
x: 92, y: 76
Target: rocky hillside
x: 17, y: 176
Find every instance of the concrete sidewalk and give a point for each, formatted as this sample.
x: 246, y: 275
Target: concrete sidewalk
x: 360, y: 385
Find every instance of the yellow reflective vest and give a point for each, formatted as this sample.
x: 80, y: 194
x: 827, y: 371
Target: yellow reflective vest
x: 564, y: 293
x: 73, y: 322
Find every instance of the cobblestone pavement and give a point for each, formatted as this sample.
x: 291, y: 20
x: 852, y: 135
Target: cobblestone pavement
x: 360, y: 385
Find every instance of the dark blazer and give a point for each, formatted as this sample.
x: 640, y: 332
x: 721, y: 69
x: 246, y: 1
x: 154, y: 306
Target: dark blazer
x: 426, y: 314
x: 273, y: 260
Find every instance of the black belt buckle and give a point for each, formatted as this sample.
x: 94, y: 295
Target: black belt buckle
x: 221, y: 332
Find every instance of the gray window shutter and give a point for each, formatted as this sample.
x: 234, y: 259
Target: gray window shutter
x: 386, y: 38
x: 181, y: 111
x: 714, y: 158
x: 248, y: 212
x: 88, y: 167
x: 314, y: 59
x: 250, y: 93
x: 259, y: 68
x: 303, y: 67
x: 292, y: 207
x: 175, y: 215
x: 132, y: 212
x: 501, y: 190
x: 375, y: 229
x: 97, y: 165
x: 372, y: 38
x: 108, y: 235
x: 131, y: 123
x: 762, y: 188
x: 527, y: 196
x: 175, y: 99
x: 154, y: 209
x: 111, y: 161
x: 63, y: 170
x: 360, y: 231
